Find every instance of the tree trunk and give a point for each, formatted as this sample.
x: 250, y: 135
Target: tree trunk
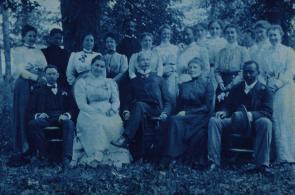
x: 79, y: 17
x: 6, y: 40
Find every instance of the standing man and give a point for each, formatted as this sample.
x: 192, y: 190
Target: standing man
x: 54, y: 54
x: 257, y: 101
x: 129, y: 44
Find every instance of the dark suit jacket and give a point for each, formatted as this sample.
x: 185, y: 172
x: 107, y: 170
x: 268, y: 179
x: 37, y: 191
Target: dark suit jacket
x: 128, y: 46
x: 152, y: 90
x: 43, y: 100
x: 261, y: 99
x: 59, y: 57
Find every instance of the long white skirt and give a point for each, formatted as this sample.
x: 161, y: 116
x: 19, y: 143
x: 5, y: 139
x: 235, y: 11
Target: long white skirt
x: 284, y: 123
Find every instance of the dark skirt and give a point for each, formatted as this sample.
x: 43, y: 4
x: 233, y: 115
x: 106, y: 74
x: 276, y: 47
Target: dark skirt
x: 185, y: 135
x: 21, y: 98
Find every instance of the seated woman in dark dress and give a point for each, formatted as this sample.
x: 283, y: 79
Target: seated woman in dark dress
x: 185, y: 134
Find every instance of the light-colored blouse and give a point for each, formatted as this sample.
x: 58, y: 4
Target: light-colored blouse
x: 156, y: 63
x: 116, y: 65
x: 231, y: 59
x: 278, y: 63
x: 167, y: 50
x: 79, y: 62
x: 214, y: 45
x: 190, y: 52
x: 27, y: 62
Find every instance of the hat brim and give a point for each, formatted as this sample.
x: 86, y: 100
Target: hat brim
x: 248, y: 130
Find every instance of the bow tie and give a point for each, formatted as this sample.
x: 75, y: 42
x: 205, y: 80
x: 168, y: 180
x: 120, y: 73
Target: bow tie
x: 144, y: 76
x: 52, y: 86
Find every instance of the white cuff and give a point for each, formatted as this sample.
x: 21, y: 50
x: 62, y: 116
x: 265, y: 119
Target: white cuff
x: 68, y: 115
x: 37, y: 115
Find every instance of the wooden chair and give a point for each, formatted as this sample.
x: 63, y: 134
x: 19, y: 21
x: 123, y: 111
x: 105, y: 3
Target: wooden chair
x: 54, y: 136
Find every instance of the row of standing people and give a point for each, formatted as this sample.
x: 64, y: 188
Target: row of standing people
x: 276, y: 60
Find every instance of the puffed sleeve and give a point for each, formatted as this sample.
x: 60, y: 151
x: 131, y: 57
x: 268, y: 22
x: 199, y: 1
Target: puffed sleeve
x: 81, y: 96
x: 114, y: 99
x: 132, y: 65
x: 71, y: 71
x: 287, y: 75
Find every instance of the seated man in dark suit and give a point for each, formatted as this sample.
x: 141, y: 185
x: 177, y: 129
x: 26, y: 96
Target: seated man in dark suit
x: 258, y: 100
x: 48, y: 107
x: 147, y: 95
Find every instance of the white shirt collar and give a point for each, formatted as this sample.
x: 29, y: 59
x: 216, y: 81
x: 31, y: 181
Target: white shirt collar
x: 249, y: 87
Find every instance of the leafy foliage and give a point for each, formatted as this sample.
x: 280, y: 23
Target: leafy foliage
x: 149, y: 14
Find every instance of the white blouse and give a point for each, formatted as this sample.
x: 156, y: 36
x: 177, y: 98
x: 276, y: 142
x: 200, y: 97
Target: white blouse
x: 190, y: 52
x: 27, y: 62
x: 278, y: 63
x: 167, y: 50
x: 79, y: 62
x: 214, y: 45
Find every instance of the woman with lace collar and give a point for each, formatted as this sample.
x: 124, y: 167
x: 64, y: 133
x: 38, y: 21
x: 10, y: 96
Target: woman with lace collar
x: 79, y: 62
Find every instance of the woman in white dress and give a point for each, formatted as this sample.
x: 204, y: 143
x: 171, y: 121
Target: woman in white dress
x: 147, y: 47
x: 168, y: 53
x: 98, y: 121
x: 79, y: 62
x: 278, y: 70
x: 29, y: 63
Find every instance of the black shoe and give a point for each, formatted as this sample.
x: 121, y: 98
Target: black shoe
x: 264, y: 170
x: 18, y: 160
x: 121, y: 142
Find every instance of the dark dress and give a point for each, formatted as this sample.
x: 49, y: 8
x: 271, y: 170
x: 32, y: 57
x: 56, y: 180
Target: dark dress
x: 186, y: 136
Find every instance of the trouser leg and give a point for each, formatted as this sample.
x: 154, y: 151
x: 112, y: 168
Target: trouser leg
x: 37, y: 135
x: 136, y: 116
x: 215, y: 128
x: 263, y: 129
x: 68, y: 137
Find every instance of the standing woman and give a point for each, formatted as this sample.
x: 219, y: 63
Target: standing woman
x: 278, y: 72
x: 29, y: 63
x: 201, y: 35
x: 228, y: 70
x: 79, y: 62
x: 262, y: 42
x: 168, y: 53
x: 116, y: 64
x: 147, y: 47
x: 216, y: 42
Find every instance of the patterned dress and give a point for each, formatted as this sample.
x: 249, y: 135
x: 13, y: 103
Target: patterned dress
x: 95, y: 129
x: 79, y: 63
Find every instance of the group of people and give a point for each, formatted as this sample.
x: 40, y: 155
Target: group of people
x: 198, y: 89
